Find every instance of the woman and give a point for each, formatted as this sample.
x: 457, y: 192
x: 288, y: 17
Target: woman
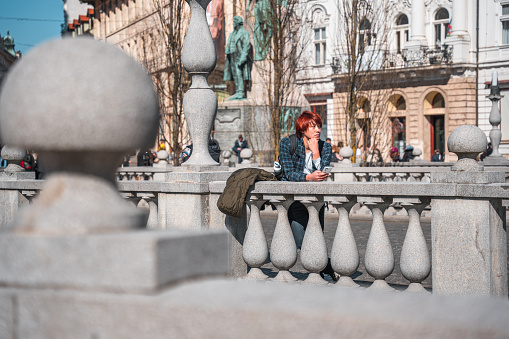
x: 305, y: 164
x: 394, y: 154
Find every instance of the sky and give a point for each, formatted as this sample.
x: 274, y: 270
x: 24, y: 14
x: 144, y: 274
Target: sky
x: 31, y: 22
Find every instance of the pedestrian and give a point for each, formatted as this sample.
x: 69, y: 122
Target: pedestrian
x: 407, y: 154
x: 488, y: 151
x: 437, y: 156
x: 240, y: 144
x: 394, y: 154
x: 308, y: 161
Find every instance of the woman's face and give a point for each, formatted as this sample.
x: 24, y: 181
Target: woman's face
x: 313, y: 131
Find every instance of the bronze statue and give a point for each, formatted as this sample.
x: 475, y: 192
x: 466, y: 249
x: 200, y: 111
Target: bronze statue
x: 238, y: 59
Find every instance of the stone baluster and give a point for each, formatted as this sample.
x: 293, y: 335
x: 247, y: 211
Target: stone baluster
x: 415, y: 261
x: 283, y: 250
x: 29, y: 195
x: 362, y: 177
x: 121, y: 176
x: 495, y: 116
x: 379, y: 259
x: 344, y: 253
x: 375, y: 177
x: 255, y: 250
x: 131, y: 198
x: 388, y: 177
x: 400, y: 177
x: 150, y: 199
x: 200, y: 102
x: 149, y: 176
x: 139, y: 176
x: 313, y: 254
x: 416, y: 177
x: 131, y: 176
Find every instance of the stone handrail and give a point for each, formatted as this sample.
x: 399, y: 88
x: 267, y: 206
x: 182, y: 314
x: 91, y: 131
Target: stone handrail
x: 379, y: 260
x: 396, y: 174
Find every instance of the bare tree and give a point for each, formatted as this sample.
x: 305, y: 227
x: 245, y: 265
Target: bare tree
x: 161, y: 53
x: 363, y: 81
x: 279, y: 47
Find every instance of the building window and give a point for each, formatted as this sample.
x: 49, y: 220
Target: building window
x: 365, y: 36
x: 438, y: 101
x: 505, y: 24
x: 401, y: 32
x: 320, y: 46
x: 440, y: 25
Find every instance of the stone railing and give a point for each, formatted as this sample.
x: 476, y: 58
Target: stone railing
x: 77, y: 262
x: 142, y: 173
x: 397, y: 174
x: 416, y: 261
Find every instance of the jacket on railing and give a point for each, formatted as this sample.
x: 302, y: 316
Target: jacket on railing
x: 293, y: 164
x: 231, y: 201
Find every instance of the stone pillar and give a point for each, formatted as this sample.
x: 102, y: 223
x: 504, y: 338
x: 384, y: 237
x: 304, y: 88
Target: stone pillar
x: 200, y: 102
x: 495, y: 158
x: 79, y: 234
x: 459, y: 39
x: 346, y: 153
x: 417, y: 31
x: 469, y: 238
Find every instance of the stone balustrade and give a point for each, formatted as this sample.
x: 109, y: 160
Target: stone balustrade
x: 379, y: 260
x: 78, y: 263
x: 142, y: 173
x: 397, y: 174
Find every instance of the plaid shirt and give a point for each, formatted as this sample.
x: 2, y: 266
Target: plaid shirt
x: 293, y: 165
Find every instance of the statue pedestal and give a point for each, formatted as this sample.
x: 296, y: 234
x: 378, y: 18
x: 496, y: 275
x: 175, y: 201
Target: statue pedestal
x: 242, y: 117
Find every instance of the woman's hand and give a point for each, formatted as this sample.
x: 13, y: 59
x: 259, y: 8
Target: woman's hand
x: 316, y: 176
x: 313, y: 147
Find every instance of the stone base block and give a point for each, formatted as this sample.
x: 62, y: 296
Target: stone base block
x: 195, y: 168
x: 460, y: 177
x: 230, y: 309
x: 17, y: 175
x: 496, y: 161
x: 138, y: 262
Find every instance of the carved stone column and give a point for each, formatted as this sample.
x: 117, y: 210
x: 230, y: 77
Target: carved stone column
x: 200, y: 102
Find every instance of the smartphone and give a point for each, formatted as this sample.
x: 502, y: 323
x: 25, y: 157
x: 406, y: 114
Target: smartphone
x: 327, y: 169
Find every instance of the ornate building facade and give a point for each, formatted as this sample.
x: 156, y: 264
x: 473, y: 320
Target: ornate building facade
x: 431, y: 71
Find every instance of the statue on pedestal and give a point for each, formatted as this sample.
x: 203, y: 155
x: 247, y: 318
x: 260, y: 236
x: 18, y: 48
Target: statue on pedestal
x: 238, y: 59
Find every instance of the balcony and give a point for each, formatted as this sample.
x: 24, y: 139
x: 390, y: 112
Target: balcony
x: 422, y: 57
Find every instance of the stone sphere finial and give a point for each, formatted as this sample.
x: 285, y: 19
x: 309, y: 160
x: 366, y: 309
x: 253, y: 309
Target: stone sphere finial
x: 81, y: 105
x: 467, y: 142
x: 246, y: 155
x: 346, y: 152
x: 13, y: 155
x: 83, y: 95
x: 417, y: 152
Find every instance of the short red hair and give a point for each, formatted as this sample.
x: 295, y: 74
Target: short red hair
x: 303, y: 121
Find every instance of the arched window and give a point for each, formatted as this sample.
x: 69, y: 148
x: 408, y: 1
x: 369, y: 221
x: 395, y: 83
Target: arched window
x: 441, y: 25
x: 438, y: 101
x: 401, y: 32
x: 397, y: 103
x: 364, y: 105
x: 365, y: 35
